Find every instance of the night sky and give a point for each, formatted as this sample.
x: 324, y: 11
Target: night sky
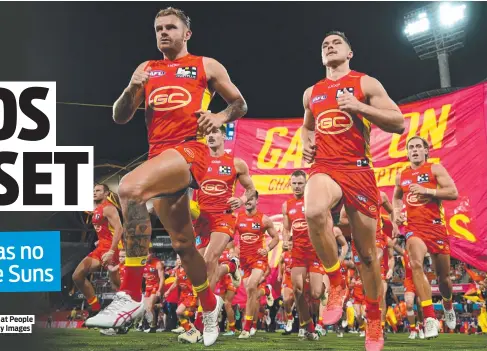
x: 271, y: 50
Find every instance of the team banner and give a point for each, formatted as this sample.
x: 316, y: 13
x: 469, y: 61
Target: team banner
x: 455, y: 125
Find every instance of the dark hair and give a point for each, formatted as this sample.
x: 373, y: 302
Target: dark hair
x: 256, y: 194
x: 341, y: 35
x: 168, y: 11
x: 105, y: 187
x: 223, y: 129
x: 299, y: 173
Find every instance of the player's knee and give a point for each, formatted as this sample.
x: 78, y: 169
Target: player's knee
x: 367, y: 259
x: 409, y: 306
x: 298, y: 290
x: 316, y: 215
x: 416, y: 265
x: 316, y: 294
x: 130, y: 191
x: 211, y: 257
x: 184, y: 247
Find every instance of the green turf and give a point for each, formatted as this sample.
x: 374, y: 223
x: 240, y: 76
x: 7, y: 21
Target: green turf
x: 91, y: 340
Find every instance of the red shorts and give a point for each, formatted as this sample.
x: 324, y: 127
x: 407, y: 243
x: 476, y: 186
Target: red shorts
x: 194, y: 152
x: 100, y: 250
x: 208, y: 223
x: 151, y: 289
x: 287, y: 282
x: 358, y: 296
x: 225, y: 284
x: 307, y: 259
x: 249, y: 265
x: 409, y: 285
x: 188, y: 300
x: 359, y: 187
x: 436, y: 239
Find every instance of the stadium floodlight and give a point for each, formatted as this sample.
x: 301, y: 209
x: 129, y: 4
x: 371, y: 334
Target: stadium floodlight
x: 436, y: 30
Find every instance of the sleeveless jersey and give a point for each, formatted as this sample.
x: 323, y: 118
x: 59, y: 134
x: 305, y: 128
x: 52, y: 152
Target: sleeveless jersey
x: 184, y: 284
x: 252, y: 231
x: 342, y: 139
x: 103, y: 229
x: 299, y: 226
x: 423, y: 213
x: 218, y: 185
x: 287, y: 259
x: 150, y: 271
x: 175, y: 90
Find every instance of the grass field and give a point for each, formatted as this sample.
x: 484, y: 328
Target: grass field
x: 91, y: 340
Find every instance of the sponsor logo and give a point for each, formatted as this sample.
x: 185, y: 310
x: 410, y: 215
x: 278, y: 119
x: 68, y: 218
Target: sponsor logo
x: 373, y: 208
x: 255, y: 225
x: 415, y: 200
x: 340, y: 92
x: 407, y: 182
x: 423, y: 178
x: 362, y: 198
x: 210, y: 169
x: 156, y: 73
x: 319, y: 98
x: 293, y: 211
x: 242, y: 225
x: 216, y: 161
x: 363, y: 163
x: 187, y: 72
x: 169, y: 98
x: 198, y: 240
x: 224, y: 170
x: 440, y: 242
x: 189, y: 152
x: 302, y: 209
x: 173, y: 65
x: 437, y: 221
x: 300, y: 224
x: 333, y: 86
x: 249, y: 238
x: 408, y: 234
x: 214, y: 187
x: 356, y: 259
x: 333, y: 122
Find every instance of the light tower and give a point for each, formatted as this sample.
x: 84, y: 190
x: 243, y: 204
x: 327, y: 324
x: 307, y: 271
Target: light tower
x: 435, y: 31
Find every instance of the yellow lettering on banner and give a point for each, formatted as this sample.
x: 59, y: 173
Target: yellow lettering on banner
x: 430, y: 130
x: 266, y: 149
x: 386, y: 176
x: 294, y: 152
x: 272, y: 184
x: 459, y: 230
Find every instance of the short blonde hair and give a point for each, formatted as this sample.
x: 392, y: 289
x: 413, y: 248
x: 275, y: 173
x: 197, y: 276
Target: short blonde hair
x: 168, y: 11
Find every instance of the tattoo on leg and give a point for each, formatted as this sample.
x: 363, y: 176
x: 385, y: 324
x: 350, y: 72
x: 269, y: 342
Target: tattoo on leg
x: 137, y: 230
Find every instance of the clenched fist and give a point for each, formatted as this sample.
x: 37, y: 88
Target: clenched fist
x: 139, y: 78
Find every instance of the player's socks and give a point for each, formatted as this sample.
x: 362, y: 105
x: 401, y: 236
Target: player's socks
x: 185, y: 324
x: 94, y: 304
x: 290, y: 316
x: 308, y: 325
x: 334, y: 274
x: 248, y: 323
x: 206, y: 296
x: 447, y: 303
x: 132, y: 278
x: 198, y: 323
x: 372, y: 308
x: 231, y: 326
x: 254, y: 325
x: 428, y: 309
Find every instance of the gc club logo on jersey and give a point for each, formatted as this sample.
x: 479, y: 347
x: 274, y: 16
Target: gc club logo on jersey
x: 415, y: 200
x: 214, y: 187
x: 340, y: 92
x: 156, y: 73
x: 300, y: 224
x: 187, y: 72
x: 423, y: 178
x: 319, y: 98
x: 406, y: 182
x: 224, y: 170
x: 169, y: 98
x: 333, y: 121
x: 249, y: 238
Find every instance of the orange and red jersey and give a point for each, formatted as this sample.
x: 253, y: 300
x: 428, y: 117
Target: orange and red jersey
x: 224, y: 257
x: 184, y: 284
x: 423, y: 212
x: 103, y: 229
x: 151, y: 274
x: 299, y: 226
x: 218, y: 185
x: 342, y: 139
x: 252, y: 235
x: 175, y: 91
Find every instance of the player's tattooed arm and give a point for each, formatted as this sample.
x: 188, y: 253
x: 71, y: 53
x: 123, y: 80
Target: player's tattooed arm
x: 219, y: 81
x: 381, y: 109
x: 137, y: 230
x: 447, y: 188
x: 126, y: 105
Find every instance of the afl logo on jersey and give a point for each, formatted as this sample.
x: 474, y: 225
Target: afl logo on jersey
x: 169, y: 98
x: 156, y: 73
x: 300, y: 224
x: 333, y: 122
x: 214, y: 187
x: 319, y: 98
x: 249, y: 238
x: 414, y: 200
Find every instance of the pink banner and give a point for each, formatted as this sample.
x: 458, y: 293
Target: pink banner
x: 455, y: 126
